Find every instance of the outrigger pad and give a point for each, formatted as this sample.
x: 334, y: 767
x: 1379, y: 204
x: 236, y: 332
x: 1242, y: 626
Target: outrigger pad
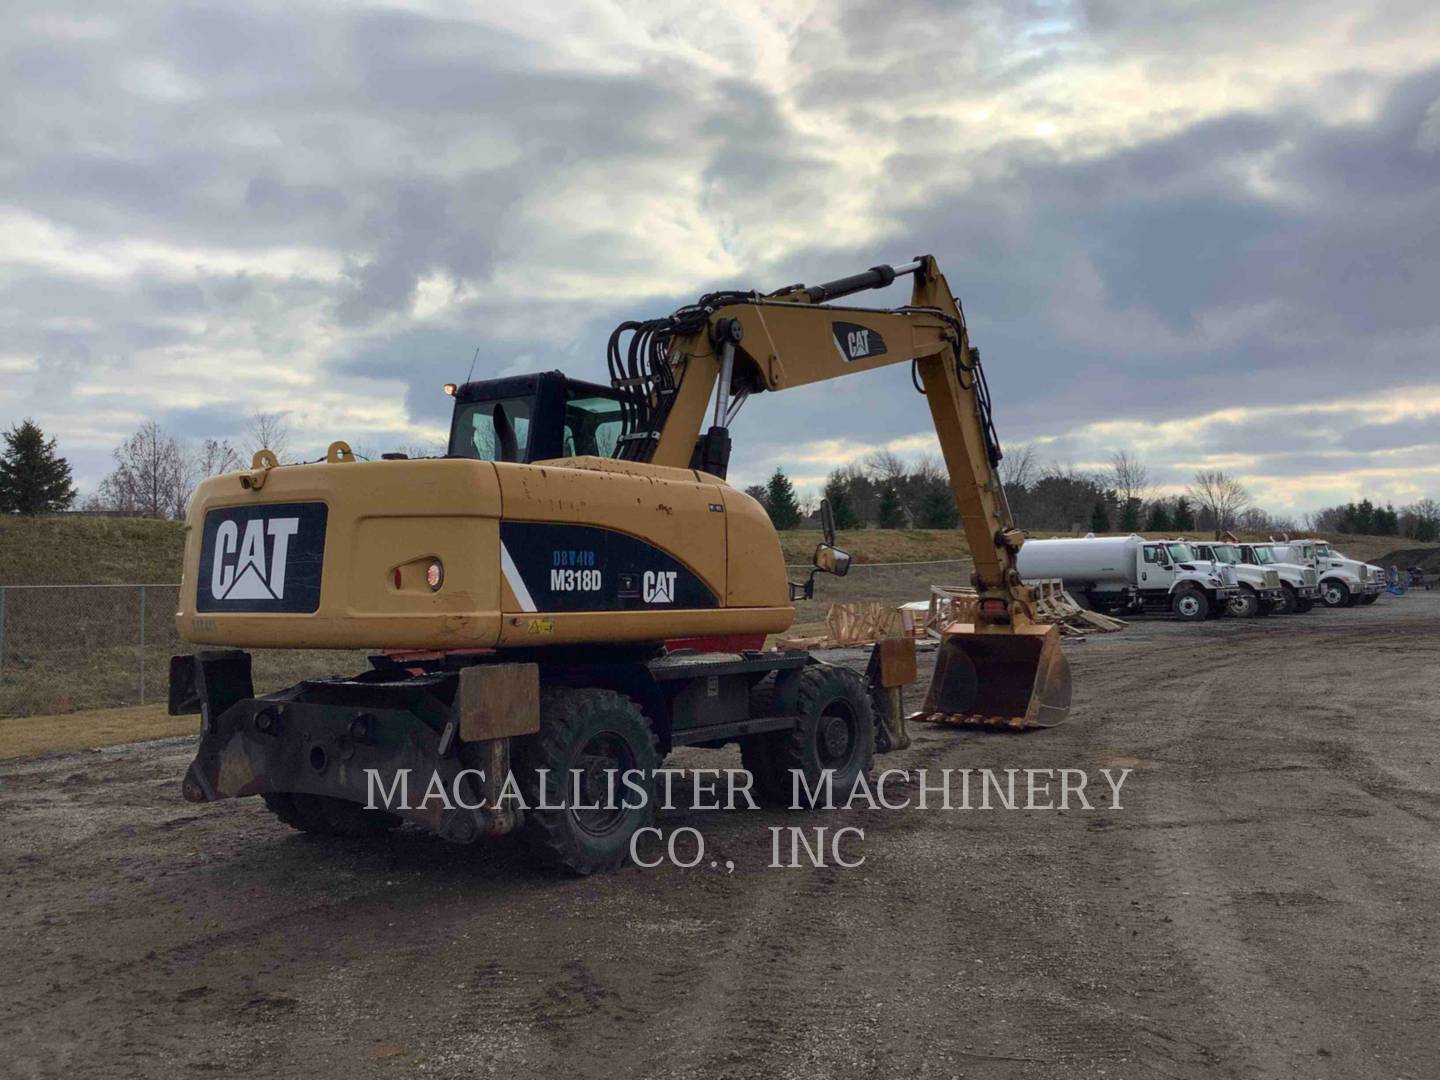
x: 1014, y: 678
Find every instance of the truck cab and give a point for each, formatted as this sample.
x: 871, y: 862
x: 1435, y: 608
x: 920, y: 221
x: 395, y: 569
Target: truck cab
x: 1260, y: 592
x: 1298, y: 583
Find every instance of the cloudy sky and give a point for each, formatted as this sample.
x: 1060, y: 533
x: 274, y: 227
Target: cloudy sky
x: 1205, y: 232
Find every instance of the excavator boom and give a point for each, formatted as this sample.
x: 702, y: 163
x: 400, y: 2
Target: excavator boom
x: 1004, y: 668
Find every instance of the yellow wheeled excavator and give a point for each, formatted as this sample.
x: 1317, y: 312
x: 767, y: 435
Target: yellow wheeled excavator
x: 573, y: 590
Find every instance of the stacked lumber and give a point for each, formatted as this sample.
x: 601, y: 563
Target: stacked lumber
x: 1052, y: 602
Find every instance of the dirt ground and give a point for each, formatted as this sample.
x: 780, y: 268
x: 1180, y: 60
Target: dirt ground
x: 1263, y: 904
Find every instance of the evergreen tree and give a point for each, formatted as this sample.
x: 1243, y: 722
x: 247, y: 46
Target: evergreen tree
x: 1183, y: 520
x: 937, y: 508
x: 1099, y: 518
x: 1130, y: 516
x: 891, y: 514
x: 780, y: 501
x: 1159, y: 519
x: 34, y: 479
x: 837, y: 490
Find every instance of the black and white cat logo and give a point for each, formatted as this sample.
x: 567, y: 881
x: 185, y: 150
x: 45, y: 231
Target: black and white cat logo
x: 262, y: 558
x: 854, y: 342
x: 658, y: 586
x: 251, y: 566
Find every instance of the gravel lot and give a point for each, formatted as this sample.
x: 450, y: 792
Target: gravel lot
x: 1264, y: 904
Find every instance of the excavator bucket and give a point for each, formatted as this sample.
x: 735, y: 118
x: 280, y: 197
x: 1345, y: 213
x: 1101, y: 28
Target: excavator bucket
x: 1016, y: 677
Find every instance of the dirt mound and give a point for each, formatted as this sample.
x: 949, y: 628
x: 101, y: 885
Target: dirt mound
x: 1427, y: 558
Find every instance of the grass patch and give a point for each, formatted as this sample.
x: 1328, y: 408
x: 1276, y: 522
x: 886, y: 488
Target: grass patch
x: 75, y: 549
x: 25, y: 737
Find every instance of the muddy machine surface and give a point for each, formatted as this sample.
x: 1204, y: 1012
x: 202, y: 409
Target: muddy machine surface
x: 521, y: 591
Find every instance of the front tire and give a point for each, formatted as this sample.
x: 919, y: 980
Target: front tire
x: 1190, y: 604
x: 585, y: 733
x: 1246, y: 605
x: 1335, y: 594
x: 1369, y: 598
x: 836, y: 732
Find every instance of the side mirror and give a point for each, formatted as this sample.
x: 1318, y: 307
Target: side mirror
x: 827, y: 523
x: 832, y: 560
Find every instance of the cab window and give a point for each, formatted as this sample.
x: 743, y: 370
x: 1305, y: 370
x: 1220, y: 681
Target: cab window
x: 1156, y: 554
x: 592, y: 426
x: 496, y: 430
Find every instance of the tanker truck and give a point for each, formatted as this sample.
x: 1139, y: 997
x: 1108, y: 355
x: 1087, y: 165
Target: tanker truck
x: 1260, y: 591
x: 1130, y: 573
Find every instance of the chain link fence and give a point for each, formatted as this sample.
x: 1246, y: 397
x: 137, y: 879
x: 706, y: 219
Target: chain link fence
x: 69, y: 647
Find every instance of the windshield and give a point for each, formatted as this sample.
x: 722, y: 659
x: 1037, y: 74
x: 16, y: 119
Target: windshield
x: 1226, y: 553
x: 493, y: 430
x: 1263, y: 555
x: 592, y: 426
x: 1180, y: 552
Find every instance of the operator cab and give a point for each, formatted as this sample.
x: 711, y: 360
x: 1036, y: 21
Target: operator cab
x: 526, y: 418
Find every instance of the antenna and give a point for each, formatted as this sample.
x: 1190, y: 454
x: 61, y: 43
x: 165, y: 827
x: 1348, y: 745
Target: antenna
x: 472, y: 363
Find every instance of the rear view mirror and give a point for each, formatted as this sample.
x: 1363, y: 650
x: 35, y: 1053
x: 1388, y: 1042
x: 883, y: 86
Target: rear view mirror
x: 827, y: 522
x: 832, y: 560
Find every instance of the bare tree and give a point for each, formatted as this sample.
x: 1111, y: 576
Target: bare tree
x: 886, y: 467
x: 1020, y: 467
x: 1129, y: 476
x: 151, y: 476
x: 268, y: 431
x: 214, y: 457
x: 1222, y: 496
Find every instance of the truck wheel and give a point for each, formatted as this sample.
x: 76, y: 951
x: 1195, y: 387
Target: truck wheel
x: 1289, y: 600
x: 836, y: 732
x: 1369, y: 598
x: 1246, y: 605
x: 324, y: 815
x: 1190, y: 604
x: 1304, y: 604
x: 583, y: 735
x: 1335, y: 593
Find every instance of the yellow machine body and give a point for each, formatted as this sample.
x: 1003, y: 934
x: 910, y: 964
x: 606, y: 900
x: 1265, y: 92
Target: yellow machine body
x: 386, y: 522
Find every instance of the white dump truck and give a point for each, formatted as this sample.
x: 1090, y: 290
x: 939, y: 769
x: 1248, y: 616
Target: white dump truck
x: 1130, y: 573
x: 1343, y: 582
x: 1298, y: 582
x: 1260, y: 591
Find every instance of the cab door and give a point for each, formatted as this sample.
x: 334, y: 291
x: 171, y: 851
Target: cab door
x: 1156, y: 569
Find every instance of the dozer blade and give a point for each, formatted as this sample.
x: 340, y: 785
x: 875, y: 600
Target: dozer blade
x: 1016, y: 678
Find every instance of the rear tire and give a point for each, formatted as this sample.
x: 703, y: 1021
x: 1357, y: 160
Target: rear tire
x: 324, y: 815
x: 1335, y: 594
x: 1190, y: 604
x: 591, y: 730
x: 836, y: 732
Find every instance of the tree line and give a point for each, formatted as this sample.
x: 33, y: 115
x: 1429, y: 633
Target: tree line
x: 1419, y: 520
x: 155, y: 473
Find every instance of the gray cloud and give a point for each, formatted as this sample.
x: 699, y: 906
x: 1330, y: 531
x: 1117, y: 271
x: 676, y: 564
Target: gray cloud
x: 359, y: 198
